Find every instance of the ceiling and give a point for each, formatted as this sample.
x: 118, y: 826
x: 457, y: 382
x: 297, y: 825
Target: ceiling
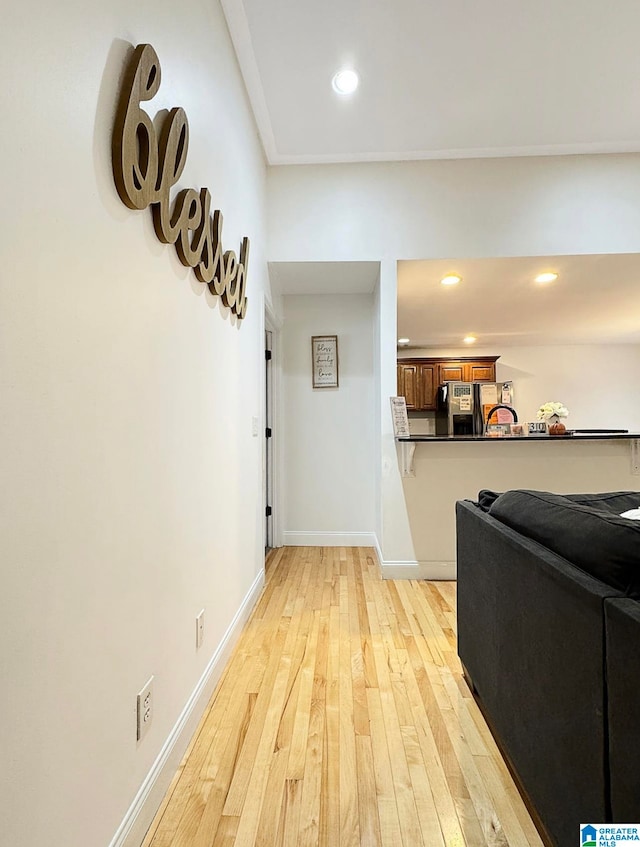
x: 454, y: 79
x: 595, y: 300
x: 440, y: 78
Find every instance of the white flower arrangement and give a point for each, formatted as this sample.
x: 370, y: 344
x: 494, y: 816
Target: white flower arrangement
x: 552, y: 410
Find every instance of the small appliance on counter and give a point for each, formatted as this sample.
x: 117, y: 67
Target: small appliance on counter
x: 474, y: 408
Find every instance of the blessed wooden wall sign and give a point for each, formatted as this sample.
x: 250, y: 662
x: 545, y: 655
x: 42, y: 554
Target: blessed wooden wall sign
x: 147, y: 164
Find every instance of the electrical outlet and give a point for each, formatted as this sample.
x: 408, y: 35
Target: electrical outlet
x: 145, y: 709
x: 199, y: 629
x: 255, y: 427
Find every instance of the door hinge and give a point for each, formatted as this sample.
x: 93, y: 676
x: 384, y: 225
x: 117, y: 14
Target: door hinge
x: 268, y: 511
x: 267, y: 355
x: 268, y: 433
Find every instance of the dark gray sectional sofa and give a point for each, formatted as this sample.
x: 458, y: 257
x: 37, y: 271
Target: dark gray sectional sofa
x: 549, y: 636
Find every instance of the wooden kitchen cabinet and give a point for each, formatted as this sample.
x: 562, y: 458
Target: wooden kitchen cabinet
x: 452, y: 372
x: 408, y: 384
x: 418, y: 379
x: 418, y: 384
x: 427, y: 385
x: 468, y: 370
x: 481, y: 372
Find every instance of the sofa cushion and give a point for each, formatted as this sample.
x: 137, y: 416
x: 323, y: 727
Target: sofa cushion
x: 487, y: 498
x: 595, y: 539
x: 614, y: 501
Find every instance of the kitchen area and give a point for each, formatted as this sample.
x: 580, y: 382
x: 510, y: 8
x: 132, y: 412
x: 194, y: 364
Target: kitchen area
x: 463, y: 444
x: 449, y: 396
x: 484, y: 421
x: 458, y: 397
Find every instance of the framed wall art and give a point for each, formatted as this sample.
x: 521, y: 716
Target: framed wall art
x: 324, y: 359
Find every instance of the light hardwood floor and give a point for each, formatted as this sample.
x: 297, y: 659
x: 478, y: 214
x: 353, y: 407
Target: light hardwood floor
x: 343, y: 720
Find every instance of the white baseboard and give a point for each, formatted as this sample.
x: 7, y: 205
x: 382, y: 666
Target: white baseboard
x: 140, y: 814
x: 329, y: 539
x: 418, y: 570
x: 414, y: 569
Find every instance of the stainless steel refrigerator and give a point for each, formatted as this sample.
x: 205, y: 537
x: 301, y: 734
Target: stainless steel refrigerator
x: 464, y: 408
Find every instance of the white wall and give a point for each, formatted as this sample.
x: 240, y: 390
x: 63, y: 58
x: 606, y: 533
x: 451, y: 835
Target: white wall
x: 596, y: 382
x: 328, y: 437
x: 435, y: 209
x: 377, y: 400
x: 131, y: 488
x: 470, y: 208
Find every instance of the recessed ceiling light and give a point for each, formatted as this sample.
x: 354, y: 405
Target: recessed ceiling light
x: 404, y: 340
x: 469, y: 339
x: 547, y: 277
x: 345, y: 82
x: 451, y: 279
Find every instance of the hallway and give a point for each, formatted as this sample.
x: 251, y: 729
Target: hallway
x: 342, y: 719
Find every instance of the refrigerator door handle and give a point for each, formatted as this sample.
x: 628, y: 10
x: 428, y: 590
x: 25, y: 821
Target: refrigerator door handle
x: 478, y: 421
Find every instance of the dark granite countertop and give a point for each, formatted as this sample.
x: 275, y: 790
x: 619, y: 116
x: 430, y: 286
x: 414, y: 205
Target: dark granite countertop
x: 594, y: 435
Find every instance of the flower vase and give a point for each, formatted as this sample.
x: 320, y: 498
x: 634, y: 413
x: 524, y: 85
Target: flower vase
x: 555, y: 426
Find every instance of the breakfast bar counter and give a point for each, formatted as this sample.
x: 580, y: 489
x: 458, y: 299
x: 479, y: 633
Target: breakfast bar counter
x: 408, y: 443
x: 436, y: 471
x: 583, y: 435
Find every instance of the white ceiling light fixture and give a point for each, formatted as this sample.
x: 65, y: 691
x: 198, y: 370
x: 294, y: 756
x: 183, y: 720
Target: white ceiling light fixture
x: 403, y: 341
x: 451, y: 279
x: 548, y: 276
x: 470, y: 339
x: 345, y: 81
